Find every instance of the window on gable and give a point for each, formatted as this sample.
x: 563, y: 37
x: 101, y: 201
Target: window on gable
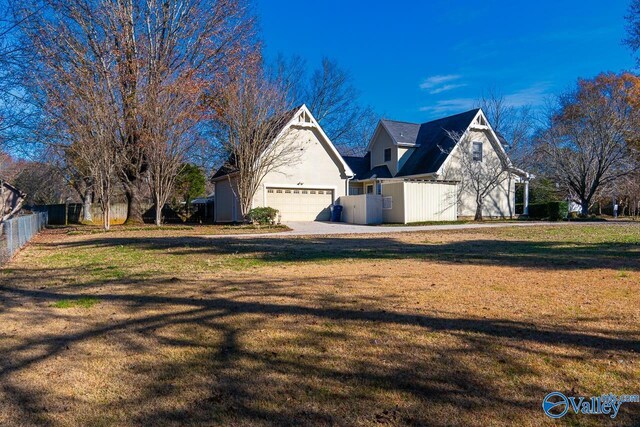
x: 477, y: 151
x: 387, y: 154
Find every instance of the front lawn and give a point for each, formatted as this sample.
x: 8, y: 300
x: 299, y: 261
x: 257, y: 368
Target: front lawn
x: 470, y: 327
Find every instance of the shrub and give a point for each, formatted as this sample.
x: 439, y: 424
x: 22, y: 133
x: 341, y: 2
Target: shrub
x: 538, y: 210
x: 553, y: 211
x: 263, y: 216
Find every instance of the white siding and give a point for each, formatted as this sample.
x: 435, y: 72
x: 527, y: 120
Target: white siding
x: 430, y: 201
x: 314, y: 168
x: 381, y: 142
x: 364, y: 209
x: 226, y: 206
x: 499, y: 202
x: 395, y: 190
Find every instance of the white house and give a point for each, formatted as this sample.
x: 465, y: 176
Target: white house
x: 302, y: 191
x: 401, y: 151
x: 407, y: 175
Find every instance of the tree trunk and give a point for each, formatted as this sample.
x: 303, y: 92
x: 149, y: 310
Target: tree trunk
x: 585, y: 207
x: 158, y: 220
x: 509, y: 198
x: 478, y: 216
x: 86, y: 207
x: 106, y: 216
x: 134, y: 204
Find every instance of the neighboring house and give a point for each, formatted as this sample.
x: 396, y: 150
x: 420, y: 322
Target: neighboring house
x: 410, y: 173
x: 303, y: 190
x: 411, y: 152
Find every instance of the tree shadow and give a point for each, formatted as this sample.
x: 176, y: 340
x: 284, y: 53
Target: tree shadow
x: 550, y: 255
x: 229, y: 372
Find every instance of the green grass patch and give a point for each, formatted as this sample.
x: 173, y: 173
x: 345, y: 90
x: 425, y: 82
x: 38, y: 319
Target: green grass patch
x: 80, y: 303
x: 622, y: 274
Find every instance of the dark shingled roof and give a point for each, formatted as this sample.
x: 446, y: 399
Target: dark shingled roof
x: 226, y: 169
x: 435, y: 144
x: 381, y: 171
x: 402, y: 132
x: 358, y: 165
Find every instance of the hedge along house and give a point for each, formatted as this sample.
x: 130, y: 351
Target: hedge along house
x: 303, y: 190
x: 423, y: 172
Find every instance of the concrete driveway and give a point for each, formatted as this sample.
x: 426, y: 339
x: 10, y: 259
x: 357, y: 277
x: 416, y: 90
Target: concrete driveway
x: 316, y: 228
x: 323, y: 228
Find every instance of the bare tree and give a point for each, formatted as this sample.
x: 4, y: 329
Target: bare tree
x: 589, y: 142
x: 633, y: 27
x: 253, y: 111
x: 515, y: 127
x: 15, y: 112
x: 332, y: 97
x: 477, y: 174
x: 629, y: 194
x: 514, y: 124
x: 167, y: 147
x: 135, y: 48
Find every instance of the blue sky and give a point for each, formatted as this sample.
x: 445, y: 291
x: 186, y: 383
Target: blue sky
x: 417, y: 60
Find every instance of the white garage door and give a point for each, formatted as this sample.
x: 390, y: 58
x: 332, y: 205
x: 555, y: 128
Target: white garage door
x: 301, y: 204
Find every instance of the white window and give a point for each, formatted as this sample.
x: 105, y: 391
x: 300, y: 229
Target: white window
x: 378, y: 188
x: 370, y: 189
x: 477, y: 151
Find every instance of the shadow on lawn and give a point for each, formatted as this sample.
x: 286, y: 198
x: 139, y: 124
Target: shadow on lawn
x: 546, y: 255
x: 286, y: 384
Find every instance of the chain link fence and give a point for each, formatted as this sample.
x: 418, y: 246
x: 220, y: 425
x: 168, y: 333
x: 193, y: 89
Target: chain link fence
x: 18, y: 231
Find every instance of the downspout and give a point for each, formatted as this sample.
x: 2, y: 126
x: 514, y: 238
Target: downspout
x: 346, y: 190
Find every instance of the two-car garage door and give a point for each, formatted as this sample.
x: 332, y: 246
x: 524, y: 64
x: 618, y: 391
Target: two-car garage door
x: 300, y: 204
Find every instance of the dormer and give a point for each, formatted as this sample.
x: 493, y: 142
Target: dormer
x: 392, y: 144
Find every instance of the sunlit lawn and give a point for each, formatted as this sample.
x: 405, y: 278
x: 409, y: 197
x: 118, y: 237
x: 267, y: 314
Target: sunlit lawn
x: 171, y: 327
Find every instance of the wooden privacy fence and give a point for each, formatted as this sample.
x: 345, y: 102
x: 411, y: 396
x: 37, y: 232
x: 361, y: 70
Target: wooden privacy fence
x: 71, y: 213
x: 16, y: 232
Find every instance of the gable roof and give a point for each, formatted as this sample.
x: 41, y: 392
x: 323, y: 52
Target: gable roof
x: 284, y: 120
x: 434, y: 144
x: 401, y: 132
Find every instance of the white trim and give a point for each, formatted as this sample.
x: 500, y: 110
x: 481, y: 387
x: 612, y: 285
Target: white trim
x: 347, y: 169
x: 375, y: 134
x: 226, y: 176
x: 314, y: 124
x: 390, y: 199
x: 494, y: 141
x: 333, y: 189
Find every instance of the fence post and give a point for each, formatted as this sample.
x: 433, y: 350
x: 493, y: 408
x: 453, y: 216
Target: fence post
x: 8, y: 229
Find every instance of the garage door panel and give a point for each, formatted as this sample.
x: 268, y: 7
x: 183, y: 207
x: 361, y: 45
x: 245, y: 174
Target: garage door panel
x: 301, y: 204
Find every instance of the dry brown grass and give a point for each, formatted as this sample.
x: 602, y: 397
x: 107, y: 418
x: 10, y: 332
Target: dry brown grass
x: 436, y: 328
